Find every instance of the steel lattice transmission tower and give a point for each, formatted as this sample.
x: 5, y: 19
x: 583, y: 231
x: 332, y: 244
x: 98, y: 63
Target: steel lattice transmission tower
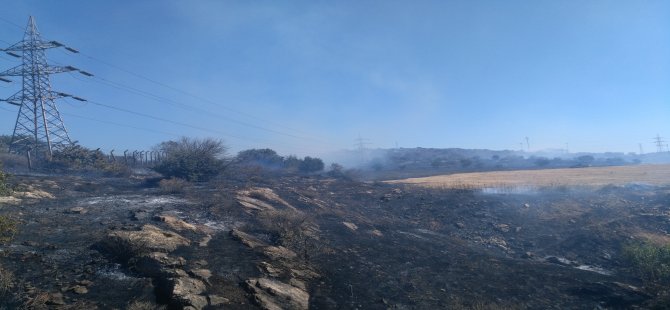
x: 39, y: 126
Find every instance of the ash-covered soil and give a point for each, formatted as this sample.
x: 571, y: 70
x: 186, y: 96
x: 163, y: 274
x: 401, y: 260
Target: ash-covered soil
x: 104, y: 243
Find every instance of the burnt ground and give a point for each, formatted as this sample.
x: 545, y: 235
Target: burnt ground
x: 402, y: 248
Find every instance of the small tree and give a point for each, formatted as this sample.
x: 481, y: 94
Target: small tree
x: 192, y: 159
x: 311, y: 164
x: 266, y: 158
x: 292, y: 163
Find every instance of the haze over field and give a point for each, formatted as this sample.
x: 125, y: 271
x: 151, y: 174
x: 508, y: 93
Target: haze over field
x: 309, y: 77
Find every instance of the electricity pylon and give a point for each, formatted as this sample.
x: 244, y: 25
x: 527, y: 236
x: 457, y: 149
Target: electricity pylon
x: 659, y: 143
x: 39, y: 127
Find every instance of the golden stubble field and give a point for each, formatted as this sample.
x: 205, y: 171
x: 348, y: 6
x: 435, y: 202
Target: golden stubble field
x: 591, y: 176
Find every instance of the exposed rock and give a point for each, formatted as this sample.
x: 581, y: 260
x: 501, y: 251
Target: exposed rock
x: 499, y: 242
x: 253, y: 203
x: 304, y: 273
x: 205, y: 240
x: 32, y: 193
x: 10, y: 200
x: 376, y: 232
x: 298, y: 283
x: 501, y: 227
x: 278, y: 252
x: 268, y: 269
x: 559, y: 261
x: 247, y: 239
x: 150, y: 239
x: 154, y: 264
x: 56, y: 299
x: 79, y: 289
x: 202, y: 274
x: 274, y: 295
x: 350, y: 225
x: 77, y: 210
x: 175, y: 223
x: 460, y: 225
x: 187, y: 290
x: 261, y: 199
x: 215, y: 300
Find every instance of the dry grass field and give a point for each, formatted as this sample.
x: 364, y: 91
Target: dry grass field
x: 592, y: 176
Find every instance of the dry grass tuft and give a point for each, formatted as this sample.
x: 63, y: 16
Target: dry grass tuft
x: 173, y: 185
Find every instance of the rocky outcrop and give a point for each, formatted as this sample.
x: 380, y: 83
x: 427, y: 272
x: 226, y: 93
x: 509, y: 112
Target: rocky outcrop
x: 148, y: 252
x: 175, y: 223
x: 260, y: 199
x: 149, y: 239
x: 271, y: 294
x: 274, y: 252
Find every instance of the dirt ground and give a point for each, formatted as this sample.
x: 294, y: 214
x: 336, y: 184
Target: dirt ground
x: 381, y: 246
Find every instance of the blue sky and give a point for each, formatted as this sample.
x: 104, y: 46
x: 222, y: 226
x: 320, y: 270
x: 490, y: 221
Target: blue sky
x: 307, y: 77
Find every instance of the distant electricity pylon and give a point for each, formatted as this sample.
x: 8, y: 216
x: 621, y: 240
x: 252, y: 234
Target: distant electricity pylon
x: 39, y: 126
x: 660, y: 143
x: 361, y: 144
x: 528, y: 144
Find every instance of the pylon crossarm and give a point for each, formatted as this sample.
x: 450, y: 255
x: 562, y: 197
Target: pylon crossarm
x: 14, y: 99
x: 39, y: 45
x: 16, y: 71
x: 21, y: 70
x: 60, y: 69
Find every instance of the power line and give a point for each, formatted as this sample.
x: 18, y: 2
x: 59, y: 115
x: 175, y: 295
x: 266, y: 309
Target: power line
x: 190, y: 94
x: 121, y: 125
x: 167, y: 120
x: 185, y: 107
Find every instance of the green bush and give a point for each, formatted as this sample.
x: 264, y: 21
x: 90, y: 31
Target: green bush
x: 192, y: 159
x: 650, y: 261
x: 5, y: 188
x: 266, y: 158
x: 311, y: 164
x: 8, y: 228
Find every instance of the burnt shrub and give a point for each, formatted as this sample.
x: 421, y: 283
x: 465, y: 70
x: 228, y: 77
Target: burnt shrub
x: 294, y: 230
x: 78, y: 158
x: 192, y: 159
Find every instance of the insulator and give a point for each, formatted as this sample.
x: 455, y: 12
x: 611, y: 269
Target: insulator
x: 13, y: 55
x: 5, y: 80
x: 78, y: 98
x: 71, y: 49
x: 85, y: 73
x: 56, y: 43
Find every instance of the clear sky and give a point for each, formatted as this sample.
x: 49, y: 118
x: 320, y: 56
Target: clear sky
x: 307, y: 77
